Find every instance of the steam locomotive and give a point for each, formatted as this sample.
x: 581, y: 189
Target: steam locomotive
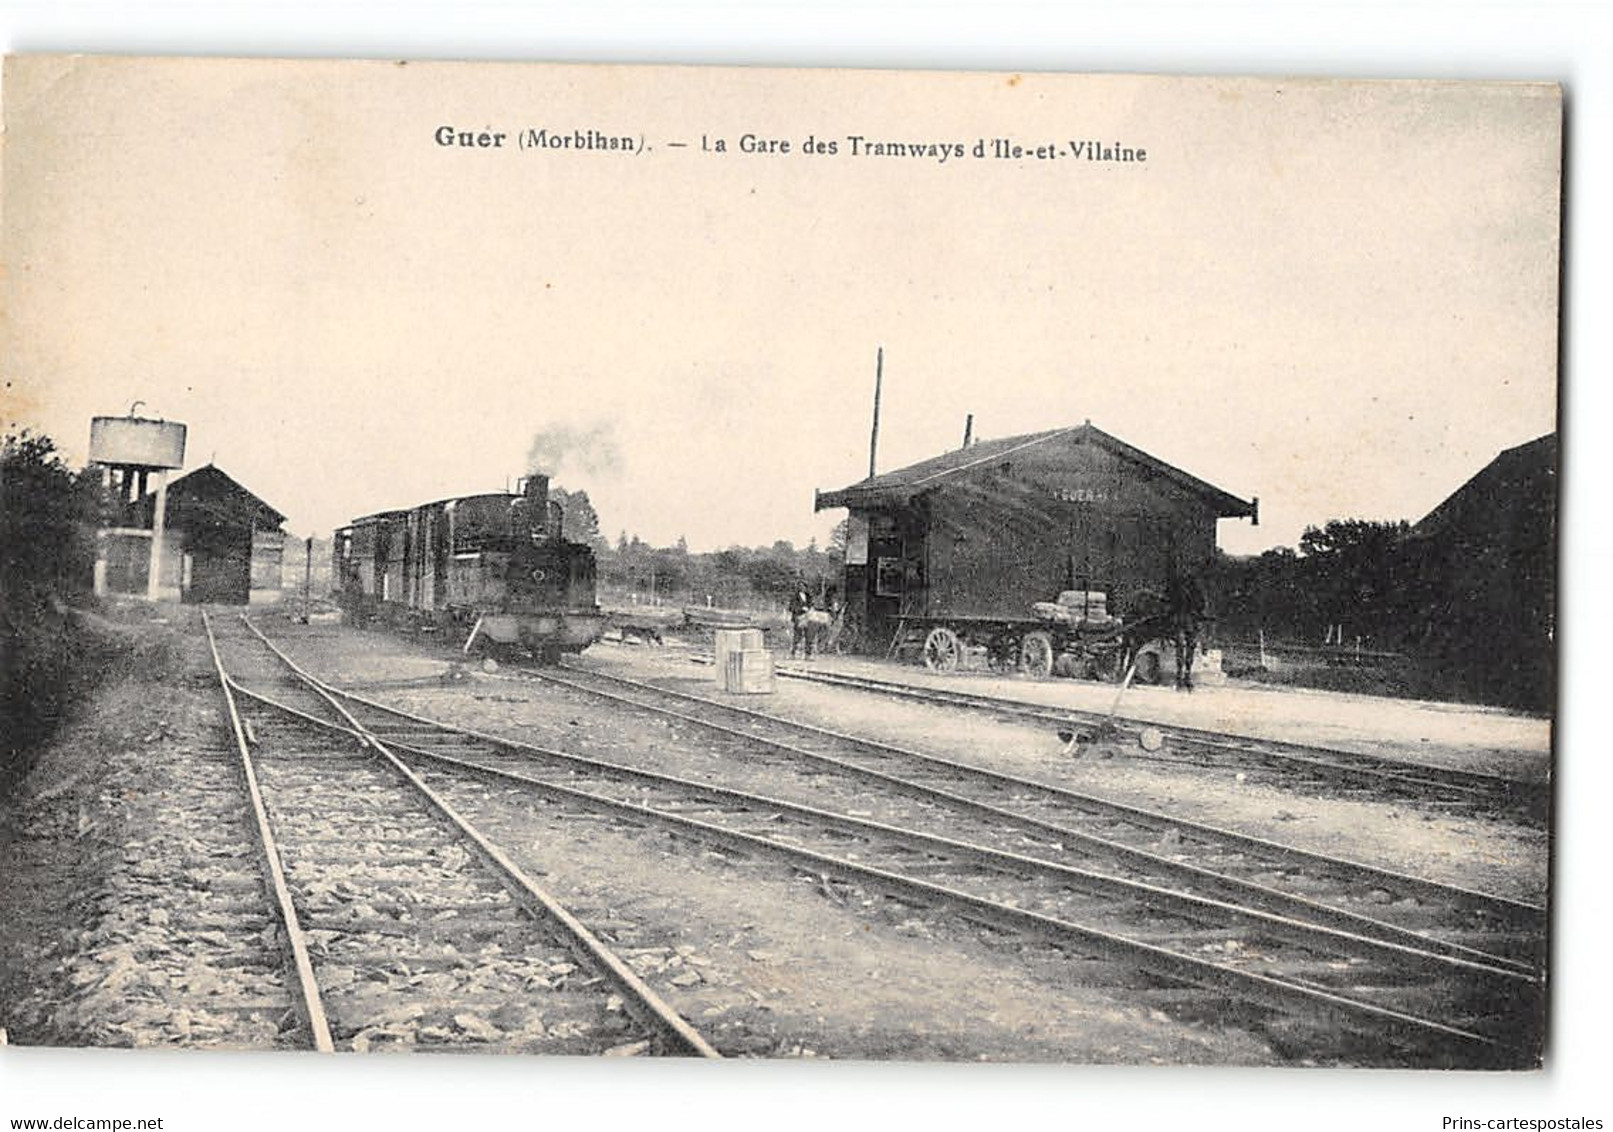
x: 492, y: 568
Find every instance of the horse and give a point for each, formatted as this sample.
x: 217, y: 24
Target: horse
x: 813, y: 630
x: 1186, y: 608
x: 1175, y: 616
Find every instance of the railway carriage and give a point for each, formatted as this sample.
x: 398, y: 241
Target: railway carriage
x: 494, y: 569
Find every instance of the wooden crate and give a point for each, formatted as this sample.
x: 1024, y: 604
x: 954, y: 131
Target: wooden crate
x: 748, y: 671
x: 733, y: 640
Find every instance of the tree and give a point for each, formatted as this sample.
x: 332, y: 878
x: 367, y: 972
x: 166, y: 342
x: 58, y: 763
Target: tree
x: 47, y: 522
x: 772, y: 576
x: 838, y: 537
x: 48, y: 515
x: 671, y: 570
x: 1356, y: 568
x: 1352, y: 539
x: 581, y: 523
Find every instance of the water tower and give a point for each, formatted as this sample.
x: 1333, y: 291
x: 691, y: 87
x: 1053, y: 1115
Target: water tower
x: 129, y: 450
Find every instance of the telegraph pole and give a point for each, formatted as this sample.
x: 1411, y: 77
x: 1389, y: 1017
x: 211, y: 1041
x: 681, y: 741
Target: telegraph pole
x: 873, y: 439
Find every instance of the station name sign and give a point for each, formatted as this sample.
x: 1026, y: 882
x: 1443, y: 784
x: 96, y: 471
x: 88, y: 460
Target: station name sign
x: 1080, y: 495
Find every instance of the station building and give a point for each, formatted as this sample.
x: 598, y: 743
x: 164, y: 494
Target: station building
x: 221, y: 543
x: 987, y: 530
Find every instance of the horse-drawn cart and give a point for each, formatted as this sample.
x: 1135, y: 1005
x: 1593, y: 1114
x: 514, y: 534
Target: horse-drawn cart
x: 1074, y: 636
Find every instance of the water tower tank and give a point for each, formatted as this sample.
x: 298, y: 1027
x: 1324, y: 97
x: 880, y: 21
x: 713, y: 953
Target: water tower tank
x: 135, y: 442
x: 130, y: 450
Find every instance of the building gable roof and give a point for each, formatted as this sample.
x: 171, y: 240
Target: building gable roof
x: 212, y: 492
x: 901, y: 486
x: 1523, y: 476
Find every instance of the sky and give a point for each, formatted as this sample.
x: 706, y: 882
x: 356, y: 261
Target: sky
x: 1340, y: 298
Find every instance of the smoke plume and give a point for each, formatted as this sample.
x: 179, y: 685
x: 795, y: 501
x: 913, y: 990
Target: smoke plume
x: 587, y: 453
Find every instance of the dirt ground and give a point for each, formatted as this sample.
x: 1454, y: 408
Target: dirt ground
x: 1459, y: 736
x: 121, y: 863
x: 107, y: 871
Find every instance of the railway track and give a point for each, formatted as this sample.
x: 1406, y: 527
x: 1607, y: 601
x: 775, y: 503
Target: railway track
x: 1293, y: 766
x: 1091, y: 832
x: 1352, y: 991
x: 206, y: 886
x: 403, y: 925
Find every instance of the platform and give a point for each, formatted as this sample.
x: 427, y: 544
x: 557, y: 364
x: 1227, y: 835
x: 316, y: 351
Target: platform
x: 1460, y: 736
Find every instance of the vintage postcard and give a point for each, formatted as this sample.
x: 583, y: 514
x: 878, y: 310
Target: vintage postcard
x: 742, y: 563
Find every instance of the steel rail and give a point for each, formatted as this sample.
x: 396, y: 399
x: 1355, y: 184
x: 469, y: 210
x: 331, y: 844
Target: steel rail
x: 1495, y: 905
x: 638, y: 997
x: 1368, y: 769
x: 1273, y: 899
x: 294, y: 712
x: 1295, y: 931
x: 1267, y: 990
x: 1349, y: 763
x: 306, y: 1001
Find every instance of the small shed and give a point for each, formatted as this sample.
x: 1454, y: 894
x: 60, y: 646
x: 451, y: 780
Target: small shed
x: 986, y: 530
x: 223, y: 544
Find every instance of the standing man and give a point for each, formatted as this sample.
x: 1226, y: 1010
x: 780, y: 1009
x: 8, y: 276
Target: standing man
x: 800, y: 630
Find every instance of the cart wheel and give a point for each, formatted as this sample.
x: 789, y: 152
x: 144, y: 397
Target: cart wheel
x: 1036, y: 655
x: 1148, y: 668
x: 942, y: 650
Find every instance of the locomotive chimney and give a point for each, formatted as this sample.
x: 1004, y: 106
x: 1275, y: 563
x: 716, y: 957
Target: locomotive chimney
x: 535, y: 493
